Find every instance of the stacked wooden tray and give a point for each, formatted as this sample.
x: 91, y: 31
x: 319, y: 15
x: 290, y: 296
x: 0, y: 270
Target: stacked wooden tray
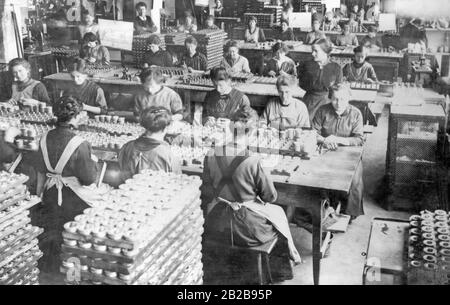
x: 147, y: 232
x: 175, y: 38
x: 141, y: 46
x: 210, y: 44
x: 19, y: 251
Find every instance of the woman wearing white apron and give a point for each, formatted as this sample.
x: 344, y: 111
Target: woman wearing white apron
x: 65, y: 163
x: 230, y: 173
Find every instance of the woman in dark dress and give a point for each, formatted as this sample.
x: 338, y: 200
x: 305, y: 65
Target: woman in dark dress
x: 317, y: 75
x: 65, y: 164
x: 86, y: 91
x: 156, y: 56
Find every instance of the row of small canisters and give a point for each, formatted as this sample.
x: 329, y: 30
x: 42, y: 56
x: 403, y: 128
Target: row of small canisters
x: 429, y: 248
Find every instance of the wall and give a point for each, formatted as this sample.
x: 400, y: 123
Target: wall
x: 8, y: 49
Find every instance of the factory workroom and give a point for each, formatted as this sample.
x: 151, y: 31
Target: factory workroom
x: 224, y: 143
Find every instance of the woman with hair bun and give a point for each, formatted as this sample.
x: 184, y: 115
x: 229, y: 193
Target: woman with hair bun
x: 64, y: 164
x: 280, y: 64
x: 150, y: 151
x: 94, y: 52
x: 318, y: 75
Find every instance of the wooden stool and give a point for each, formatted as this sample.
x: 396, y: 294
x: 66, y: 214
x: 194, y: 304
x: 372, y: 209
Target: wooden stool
x: 261, y: 252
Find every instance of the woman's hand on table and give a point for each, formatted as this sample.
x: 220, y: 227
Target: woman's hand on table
x: 272, y: 73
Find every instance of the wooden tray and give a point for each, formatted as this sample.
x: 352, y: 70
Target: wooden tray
x: 20, y: 180
x: 20, y: 189
x: 32, y: 202
x: 13, y: 228
x: 20, y: 248
x: 10, y: 202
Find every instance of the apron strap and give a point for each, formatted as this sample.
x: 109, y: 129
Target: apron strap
x: 45, y: 153
x: 227, y: 174
x: 74, y: 143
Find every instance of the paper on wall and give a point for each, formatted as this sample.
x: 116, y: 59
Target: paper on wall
x: 116, y: 34
x: 300, y: 20
x: 387, y: 22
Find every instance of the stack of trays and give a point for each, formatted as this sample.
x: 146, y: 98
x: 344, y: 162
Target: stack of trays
x: 148, y: 231
x: 364, y: 86
x: 19, y: 250
x: 264, y: 20
x: 429, y: 249
x: 210, y: 44
x: 64, y: 52
x: 234, y: 8
x: 275, y: 10
x: 175, y: 38
x: 141, y: 46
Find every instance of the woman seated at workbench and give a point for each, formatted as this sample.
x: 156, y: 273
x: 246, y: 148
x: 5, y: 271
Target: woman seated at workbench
x: 317, y: 75
x: 280, y: 64
x: 237, y: 195
x: 232, y: 61
x: 341, y: 124
x: 360, y: 70
x: 192, y: 59
x: 89, y: 25
x: 286, y: 33
x: 224, y: 101
x: 150, y: 151
x: 254, y: 34
x: 93, y: 52
x: 371, y: 41
x: 316, y: 34
x: 188, y: 26
x: 156, y: 56
x: 86, y: 91
x: 347, y: 38
x: 154, y: 94
x: 285, y: 111
x: 20, y: 88
x: 143, y: 23
x: 210, y: 23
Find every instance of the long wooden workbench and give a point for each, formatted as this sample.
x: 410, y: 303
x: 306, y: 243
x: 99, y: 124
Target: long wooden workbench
x: 331, y: 171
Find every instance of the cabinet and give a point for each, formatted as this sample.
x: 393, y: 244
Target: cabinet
x: 412, y: 162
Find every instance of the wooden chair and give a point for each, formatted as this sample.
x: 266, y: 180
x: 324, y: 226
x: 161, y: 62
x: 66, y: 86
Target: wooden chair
x: 261, y: 252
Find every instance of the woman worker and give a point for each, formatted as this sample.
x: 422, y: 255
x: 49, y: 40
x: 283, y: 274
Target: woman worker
x: 224, y: 101
x: 285, y: 111
x: 65, y: 162
x: 21, y: 87
x: 286, y: 33
x: 340, y: 124
x: 280, y: 64
x: 236, y: 189
x: 86, y: 91
x: 317, y: 75
x: 94, y: 52
x: 154, y: 94
x: 150, y: 151
x: 89, y: 25
x: 188, y: 26
x: 143, y: 23
x: 156, y: 56
x: 360, y: 70
x: 254, y: 34
x: 232, y: 61
x: 316, y: 34
x: 193, y: 60
x: 347, y: 38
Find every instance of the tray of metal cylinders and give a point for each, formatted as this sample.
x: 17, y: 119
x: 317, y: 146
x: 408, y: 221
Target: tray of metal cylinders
x: 133, y: 238
x: 19, y: 251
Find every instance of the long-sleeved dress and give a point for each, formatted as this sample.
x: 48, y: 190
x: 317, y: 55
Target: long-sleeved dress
x: 166, y: 97
x: 316, y: 81
x: 287, y: 65
x: 347, y: 40
x: 240, y: 65
x: 287, y: 35
x: 90, y: 94
x: 313, y: 37
x: 294, y: 115
x: 30, y: 89
x: 196, y: 62
x: 99, y: 53
x: 51, y: 215
x: 147, y: 153
x: 359, y: 73
x: 255, y: 36
x: 160, y: 59
x: 8, y: 152
x: 348, y: 125
x: 144, y: 26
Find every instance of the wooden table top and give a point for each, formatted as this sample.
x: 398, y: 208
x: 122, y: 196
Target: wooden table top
x: 426, y: 110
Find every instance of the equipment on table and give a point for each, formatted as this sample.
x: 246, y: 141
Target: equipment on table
x: 429, y: 249
x: 149, y: 231
x: 364, y: 86
x: 19, y: 251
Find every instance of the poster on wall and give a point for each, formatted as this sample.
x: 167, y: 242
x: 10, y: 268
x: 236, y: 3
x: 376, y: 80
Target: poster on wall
x: 300, y: 20
x: 116, y: 34
x: 332, y: 4
x: 387, y: 22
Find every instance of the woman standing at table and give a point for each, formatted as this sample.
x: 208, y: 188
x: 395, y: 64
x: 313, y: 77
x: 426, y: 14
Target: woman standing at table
x: 65, y: 164
x: 317, y: 75
x: 280, y: 64
x: 19, y: 87
x: 254, y: 34
x: 340, y: 124
x: 155, y: 56
x: 360, y: 70
x: 94, y: 52
x: 232, y: 61
x: 86, y: 91
x: 150, y: 151
x: 316, y: 34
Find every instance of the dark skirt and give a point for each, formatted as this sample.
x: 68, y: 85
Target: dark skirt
x: 249, y: 228
x: 52, y: 217
x: 314, y: 101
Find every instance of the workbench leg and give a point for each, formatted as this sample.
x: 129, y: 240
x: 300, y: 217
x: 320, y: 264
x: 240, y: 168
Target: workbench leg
x: 187, y: 104
x: 317, y: 240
